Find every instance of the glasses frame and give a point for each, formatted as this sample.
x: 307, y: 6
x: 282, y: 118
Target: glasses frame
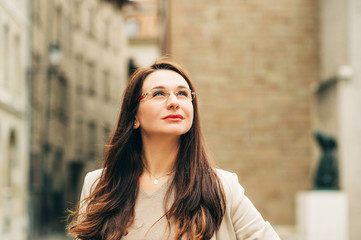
x: 144, y: 95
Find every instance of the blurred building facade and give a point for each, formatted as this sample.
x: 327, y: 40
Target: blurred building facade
x: 79, y: 72
x: 338, y: 96
x: 266, y: 76
x: 143, y: 32
x: 14, y: 118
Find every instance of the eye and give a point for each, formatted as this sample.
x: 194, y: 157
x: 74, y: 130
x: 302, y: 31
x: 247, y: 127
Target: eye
x: 158, y: 93
x: 183, y: 93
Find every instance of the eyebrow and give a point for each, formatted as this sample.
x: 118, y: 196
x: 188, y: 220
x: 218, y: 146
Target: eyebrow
x: 162, y: 87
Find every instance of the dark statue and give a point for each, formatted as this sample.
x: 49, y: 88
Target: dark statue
x: 326, y: 177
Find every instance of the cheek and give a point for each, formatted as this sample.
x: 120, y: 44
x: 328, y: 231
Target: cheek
x: 190, y: 112
x: 146, y: 113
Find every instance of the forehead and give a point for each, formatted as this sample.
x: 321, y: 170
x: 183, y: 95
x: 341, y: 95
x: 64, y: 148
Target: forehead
x: 164, y: 78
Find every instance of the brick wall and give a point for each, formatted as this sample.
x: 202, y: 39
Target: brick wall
x: 253, y: 63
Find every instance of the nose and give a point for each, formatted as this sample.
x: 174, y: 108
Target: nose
x: 172, y: 102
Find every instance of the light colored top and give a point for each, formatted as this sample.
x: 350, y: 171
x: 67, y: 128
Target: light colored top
x: 241, y: 219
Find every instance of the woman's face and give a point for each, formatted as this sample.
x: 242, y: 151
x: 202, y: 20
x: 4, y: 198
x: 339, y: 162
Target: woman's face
x: 160, y: 113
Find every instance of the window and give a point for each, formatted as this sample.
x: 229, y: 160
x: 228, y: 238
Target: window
x: 91, y: 78
x: 79, y: 74
x: 76, y: 14
x: 92, y: 139
x: 106, y: 33
x: 5, y: 58
x: 9, y: 176
x: 79, y: 137
x: 58, y: 25
x: 106, y: 85
x: 91, y: 21
x: 61, y: 99
x: 107, y: 131
x: 35, y: 81
x: 132, y: 28
x: 75, y: 170
x: 131, y: 67
x: 57, y: 173
x: 35, y: 11
x: 68, y: 36
x: 19, y: 74
x: 12, y: 158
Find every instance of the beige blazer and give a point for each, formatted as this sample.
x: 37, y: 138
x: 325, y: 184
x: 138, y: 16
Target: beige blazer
x: 241, y: 219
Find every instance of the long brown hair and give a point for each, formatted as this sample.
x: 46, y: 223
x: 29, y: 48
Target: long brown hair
x: 199, y: 201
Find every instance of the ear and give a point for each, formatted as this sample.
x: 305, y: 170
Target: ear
x: 136, y: 124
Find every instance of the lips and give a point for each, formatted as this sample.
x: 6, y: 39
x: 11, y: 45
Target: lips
x: 174, y: 117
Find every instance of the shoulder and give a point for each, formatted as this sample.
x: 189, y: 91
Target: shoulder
x: 93, y: 175
x: 229, y: 181
x: 241, y: 220
x: 233, y: 191
x: 90, y: 181
x: 224, y: 174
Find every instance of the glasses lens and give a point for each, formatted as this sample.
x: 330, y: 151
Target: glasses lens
x: 185, y: 94
x: 160, y: 94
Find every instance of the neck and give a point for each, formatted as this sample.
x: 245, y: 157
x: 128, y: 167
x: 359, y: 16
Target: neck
x: 160, y: 154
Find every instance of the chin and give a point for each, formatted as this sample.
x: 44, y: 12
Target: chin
x: 176, y: 132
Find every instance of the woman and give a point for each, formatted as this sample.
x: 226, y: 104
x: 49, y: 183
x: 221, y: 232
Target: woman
x: 157, y: 181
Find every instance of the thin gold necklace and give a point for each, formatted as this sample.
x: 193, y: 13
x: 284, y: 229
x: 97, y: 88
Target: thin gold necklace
x: 156, y: 179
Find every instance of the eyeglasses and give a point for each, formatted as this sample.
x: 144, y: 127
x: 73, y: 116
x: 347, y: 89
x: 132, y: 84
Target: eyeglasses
x: 161, y: 95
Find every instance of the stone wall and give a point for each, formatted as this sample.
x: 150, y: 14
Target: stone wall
x: 253, y: 63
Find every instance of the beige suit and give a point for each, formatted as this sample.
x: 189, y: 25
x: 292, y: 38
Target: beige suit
x: 241, y: 219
